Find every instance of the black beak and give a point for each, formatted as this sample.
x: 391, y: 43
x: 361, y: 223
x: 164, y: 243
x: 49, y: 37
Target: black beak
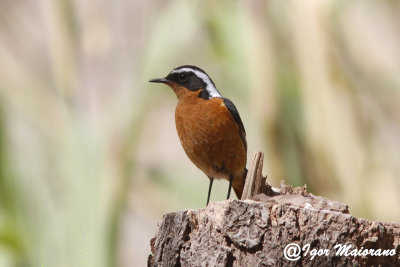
x: 158, y: 80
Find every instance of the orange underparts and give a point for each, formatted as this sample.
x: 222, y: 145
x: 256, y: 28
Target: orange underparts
x: 210, y: 136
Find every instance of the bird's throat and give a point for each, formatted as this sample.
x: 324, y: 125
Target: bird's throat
x: 183, y: 93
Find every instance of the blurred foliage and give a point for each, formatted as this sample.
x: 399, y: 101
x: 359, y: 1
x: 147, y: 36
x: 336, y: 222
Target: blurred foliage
x: 89, y: 156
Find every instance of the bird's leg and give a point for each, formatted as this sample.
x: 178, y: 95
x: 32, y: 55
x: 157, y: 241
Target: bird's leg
x: 209, y: 189
x: 230, y: 186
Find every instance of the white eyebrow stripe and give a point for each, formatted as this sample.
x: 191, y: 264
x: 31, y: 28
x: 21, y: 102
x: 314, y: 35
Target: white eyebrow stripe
x: 209, y: 85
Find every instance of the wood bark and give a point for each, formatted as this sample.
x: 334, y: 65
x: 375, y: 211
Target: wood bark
x: 256, y: 230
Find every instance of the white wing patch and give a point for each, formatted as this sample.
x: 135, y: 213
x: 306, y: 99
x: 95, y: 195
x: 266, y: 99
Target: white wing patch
x: 213, y: 92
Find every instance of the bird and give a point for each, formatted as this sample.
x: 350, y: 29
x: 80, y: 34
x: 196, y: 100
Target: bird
x: 209, y: 127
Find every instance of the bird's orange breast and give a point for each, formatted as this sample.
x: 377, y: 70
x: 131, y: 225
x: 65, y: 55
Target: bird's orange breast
x: 209, y: 135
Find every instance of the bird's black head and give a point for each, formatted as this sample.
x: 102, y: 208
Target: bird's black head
x: 193, y: 79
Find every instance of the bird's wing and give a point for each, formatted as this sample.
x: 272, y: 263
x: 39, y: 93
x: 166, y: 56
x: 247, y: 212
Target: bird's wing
x: 235, y: 114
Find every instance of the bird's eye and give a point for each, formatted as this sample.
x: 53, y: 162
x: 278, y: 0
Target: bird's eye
x: 182, y: 77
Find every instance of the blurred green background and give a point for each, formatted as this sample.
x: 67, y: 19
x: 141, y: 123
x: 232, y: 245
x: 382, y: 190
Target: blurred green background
x: 89, y: 156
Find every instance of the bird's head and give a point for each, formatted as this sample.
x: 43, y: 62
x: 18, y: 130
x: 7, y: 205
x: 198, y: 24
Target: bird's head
x: 188, y: 80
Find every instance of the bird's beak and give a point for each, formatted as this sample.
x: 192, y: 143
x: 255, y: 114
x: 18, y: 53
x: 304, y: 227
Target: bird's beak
x: 159, y: 80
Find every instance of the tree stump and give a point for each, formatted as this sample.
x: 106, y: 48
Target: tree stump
x: 273, y: 227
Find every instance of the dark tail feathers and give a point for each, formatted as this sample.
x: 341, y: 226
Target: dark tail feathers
x: 238, y: 184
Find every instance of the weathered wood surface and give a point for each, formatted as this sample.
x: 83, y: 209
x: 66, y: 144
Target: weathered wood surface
x: 255, y: 231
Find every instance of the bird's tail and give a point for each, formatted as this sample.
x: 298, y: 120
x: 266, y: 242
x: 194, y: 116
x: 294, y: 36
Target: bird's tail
x: 238, y: 184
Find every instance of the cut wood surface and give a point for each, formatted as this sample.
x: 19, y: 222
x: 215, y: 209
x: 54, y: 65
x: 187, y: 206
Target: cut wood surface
x: 257, y: 231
